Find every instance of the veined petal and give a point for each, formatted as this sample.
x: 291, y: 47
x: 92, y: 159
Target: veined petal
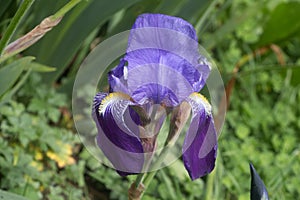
x: 162, y: 53
x: 200, y: 144
x: 117, y: 78
x: 118, y: 133
x: 165, y: 21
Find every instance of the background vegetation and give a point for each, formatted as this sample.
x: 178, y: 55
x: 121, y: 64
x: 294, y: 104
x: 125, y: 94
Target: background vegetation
x: 256, y: 46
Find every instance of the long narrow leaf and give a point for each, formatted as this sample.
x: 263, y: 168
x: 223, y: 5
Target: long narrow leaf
x: 10, y: 73
x: 26, y: 4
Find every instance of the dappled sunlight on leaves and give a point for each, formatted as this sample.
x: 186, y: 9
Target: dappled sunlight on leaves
x: 63, y: 155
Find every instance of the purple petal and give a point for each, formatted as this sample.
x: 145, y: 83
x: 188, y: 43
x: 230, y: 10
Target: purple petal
x: 116, y: 78
x: 118, y: 133
x: 162, y: 52
x: 165, y: 21
x: 200, y: 144
x: 158, y: 67
x: 155, y: 94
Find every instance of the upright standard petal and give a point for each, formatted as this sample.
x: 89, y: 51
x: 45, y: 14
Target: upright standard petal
x: 200, y: 144
x: 162, y: 63
x: 118, y: 133
x: 165, y: 21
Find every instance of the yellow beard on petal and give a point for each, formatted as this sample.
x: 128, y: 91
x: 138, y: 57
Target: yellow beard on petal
x: 200, y: 99
x: 111, y: 98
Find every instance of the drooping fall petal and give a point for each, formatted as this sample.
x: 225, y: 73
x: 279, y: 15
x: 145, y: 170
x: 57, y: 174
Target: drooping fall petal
x: 118, y: 133
x: 200, y: 144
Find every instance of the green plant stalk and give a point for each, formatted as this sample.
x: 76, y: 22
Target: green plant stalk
x: 14, y: 24
x: 65, y: 9
x: 149, y: 177
x: 170, y: 142
x: 139, y: 179
x: 210, y: 185
x: 26, y: 186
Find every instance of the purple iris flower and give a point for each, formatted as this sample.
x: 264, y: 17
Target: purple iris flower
x: 161, y: 70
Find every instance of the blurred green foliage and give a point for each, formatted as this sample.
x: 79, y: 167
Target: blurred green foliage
x: 36, y: 158
x: 41, y: 156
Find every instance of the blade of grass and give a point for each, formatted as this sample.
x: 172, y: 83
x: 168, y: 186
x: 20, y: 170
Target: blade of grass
x: 14, y: 24
x: 65, y: 9
x: 38, y: 32
x: 131, y: 13
x: 7, y: 96
x: 11, y: 73
x: 171, y: 7
x: 192, y: 10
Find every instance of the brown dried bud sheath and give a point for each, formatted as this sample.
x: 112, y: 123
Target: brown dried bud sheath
x: 179, y: 117
x: 32, y: 37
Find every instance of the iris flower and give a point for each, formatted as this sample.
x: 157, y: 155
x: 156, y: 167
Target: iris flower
x: 162, y: 69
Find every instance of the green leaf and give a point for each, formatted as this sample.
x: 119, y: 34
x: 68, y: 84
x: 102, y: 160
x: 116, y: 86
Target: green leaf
x: 11, y: 196
x: 294, y: 79
x: 283, y: 23
x: 7, y: 96
x: 38, y: 67
x: 170, y: 7
x: 166, y: 190
x: 258, y: 189
x: 53, y: 114
x: 242, y: 131
x: 15, y: 21
x: 177, y: 169
x: 10, y: 73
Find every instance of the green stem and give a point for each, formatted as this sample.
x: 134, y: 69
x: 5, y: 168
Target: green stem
x: 210, y: 186
x: 26, y: 186
x: 143, y: 180
x: 200, y: 23
x: 139, y: 179
x: 149, y: 177
x: 14, y: 23
x: 65, y: 9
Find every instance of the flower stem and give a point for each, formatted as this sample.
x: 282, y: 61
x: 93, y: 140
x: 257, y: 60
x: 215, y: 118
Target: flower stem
x: 65, y: 9
x: 148, y: 180
x: 149, y: 177
x: 139, y: 179
x: 210, y: 185
x: 14, y: 23
x: 143, y: 180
